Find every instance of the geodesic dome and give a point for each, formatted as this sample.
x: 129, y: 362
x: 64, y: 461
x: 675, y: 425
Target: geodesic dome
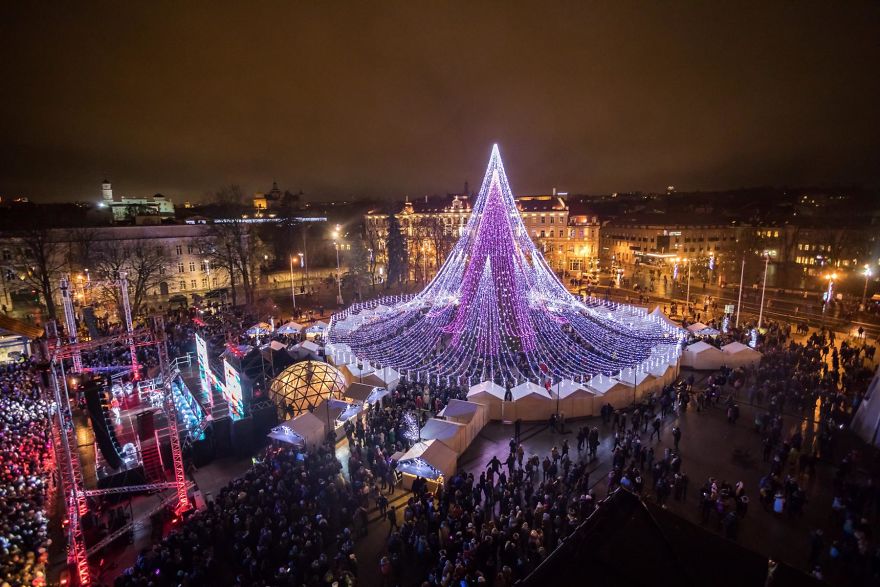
x: 303, y: 386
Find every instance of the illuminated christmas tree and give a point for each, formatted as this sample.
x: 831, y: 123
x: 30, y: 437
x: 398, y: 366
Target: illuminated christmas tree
x: 496, y: 310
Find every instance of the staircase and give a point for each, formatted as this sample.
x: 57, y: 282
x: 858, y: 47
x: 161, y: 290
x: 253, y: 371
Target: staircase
x: 151, y: 458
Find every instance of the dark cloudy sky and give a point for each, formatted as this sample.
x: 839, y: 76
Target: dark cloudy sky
x: 389, y: 99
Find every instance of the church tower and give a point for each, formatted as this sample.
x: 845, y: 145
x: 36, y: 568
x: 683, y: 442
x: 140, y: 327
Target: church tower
x: 107, y: 191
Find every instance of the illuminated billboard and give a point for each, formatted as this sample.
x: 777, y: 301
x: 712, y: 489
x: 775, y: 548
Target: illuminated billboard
x: 204, y: 370
x: 232, y: 391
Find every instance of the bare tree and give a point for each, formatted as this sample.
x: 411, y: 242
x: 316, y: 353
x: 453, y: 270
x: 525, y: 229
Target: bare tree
x: 141, y: 263
x: 46, y: 260
x: 232, y: 242
x: 81, y: 253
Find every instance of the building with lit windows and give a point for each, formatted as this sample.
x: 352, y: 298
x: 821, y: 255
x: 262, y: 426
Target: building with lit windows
x: 432, y: 225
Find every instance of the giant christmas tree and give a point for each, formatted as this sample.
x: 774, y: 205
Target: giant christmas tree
x: 496, y: 310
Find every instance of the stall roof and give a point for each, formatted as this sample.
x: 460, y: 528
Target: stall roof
x: 457, y: 408
x: 528, y: 388
x: 359, y: 392
x: 12, y: 326
x: 489, y: 387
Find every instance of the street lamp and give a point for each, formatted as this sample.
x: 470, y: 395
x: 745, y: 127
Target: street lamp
x: 338, y: 270
x: 828, y: 293
x: 867, y: 274
x: 302, y: 270
x: 292, y: 286
x: 763, y: 288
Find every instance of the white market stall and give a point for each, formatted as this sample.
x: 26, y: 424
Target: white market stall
x: 610, y: 390
x: 356, y: 371
x: 866, y: 422
x: 385, y: 377
x: 306, y: 350
x: 259, y: 329
x: 303, y: 431
x: 473, y: 415
x: 430, y: 459
x: 575, y: 399
x: 696, y: 327
x: 635, y: 378
x: 702, y: 356
x: 491, y: 395
x: 452, y: 434
x: 364, y: 394
x: 532, y: 402
x: 736, y: 354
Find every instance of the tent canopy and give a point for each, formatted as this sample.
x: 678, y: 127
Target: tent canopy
x: 258, y: 329
x: 696, y: 327
x: 528, y: 388
x: 290, y: 328
x: 487, y: 387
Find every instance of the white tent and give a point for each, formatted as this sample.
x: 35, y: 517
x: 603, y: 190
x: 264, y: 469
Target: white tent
x: 259, y: 329
x: 866, y: 422
x: 355, y: 372
x: 663, y: 317
x: 575, y: 399
x: 532, y: 402
x: 702, y: 356
x: 696, y: 327
x: 305, y: 431
x: 385, y: 377
x: 359, y: 392
x: 452, y: 434
x: 320, y: 325
x: 473, y: 415
x: 306, y: 350
x: 277, y: 345
x: 490, y: 394
x: 339, y: 354
x: 662, y: 371
x: 290, y: 328
x: 642, y: 381
x: 610, y: 390
x: 736, y: 354
x: 430, y: 459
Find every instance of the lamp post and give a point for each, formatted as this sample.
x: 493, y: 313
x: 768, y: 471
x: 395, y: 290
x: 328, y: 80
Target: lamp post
x: 292, y: 286
x: 687, y: 300
x: 338, y: 270
x: 739, y: 300
x: 867, y: 274
x: 763, y: 288
x: 302, y: 271
x: 828, y: 293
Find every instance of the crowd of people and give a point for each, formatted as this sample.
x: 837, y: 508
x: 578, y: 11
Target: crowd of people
x: 287, y: 521
x: 25, y: 477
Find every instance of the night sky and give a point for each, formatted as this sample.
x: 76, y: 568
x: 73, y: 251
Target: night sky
x: 385, y: 99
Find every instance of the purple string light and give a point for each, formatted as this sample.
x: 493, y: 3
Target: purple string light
x: 495, y: 310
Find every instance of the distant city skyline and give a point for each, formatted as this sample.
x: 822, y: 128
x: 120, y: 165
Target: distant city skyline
x: 348, y: 101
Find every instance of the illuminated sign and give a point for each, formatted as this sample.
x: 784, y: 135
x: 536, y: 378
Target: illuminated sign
x: 204, y: 369
x: 232, y: 391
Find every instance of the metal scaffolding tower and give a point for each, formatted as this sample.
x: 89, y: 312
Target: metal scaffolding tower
x: 74, y: 492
